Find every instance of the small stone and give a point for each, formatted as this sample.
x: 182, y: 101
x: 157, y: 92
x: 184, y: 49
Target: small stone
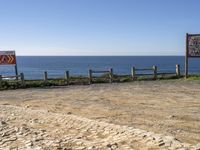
x: 13, y: 148
x: 30, y: 143
x: 80, y: 148
x: 43, y: 130
x: 109, y: 145
x: 67, y: 149
x: 3, y: 123
x: 197, y: 147
x: 38, y: 139
x: 114, y: 146
x: 161, y: 144
x: 69, y: 113
x: 91, y: 147
x: 171, y: 138
x: 79, y: 143
x: 35, y: 120
x: 176, y: 144
x: 16, y: 129
x: 172, y: 116
x: 4, y: 134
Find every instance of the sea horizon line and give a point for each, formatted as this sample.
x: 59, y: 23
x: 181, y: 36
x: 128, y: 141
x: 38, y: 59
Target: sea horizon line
x: 100, y: 55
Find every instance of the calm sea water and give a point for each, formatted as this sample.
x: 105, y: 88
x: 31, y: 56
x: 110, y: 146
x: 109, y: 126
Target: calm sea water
x: 34, y: 66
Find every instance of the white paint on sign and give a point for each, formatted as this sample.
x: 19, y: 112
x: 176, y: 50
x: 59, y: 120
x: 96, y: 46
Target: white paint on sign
x: 194, y: 46
x: 7, y: 52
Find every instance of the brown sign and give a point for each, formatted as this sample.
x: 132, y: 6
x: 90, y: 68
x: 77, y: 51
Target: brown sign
x: 7, y: 58
x: 193, y: 45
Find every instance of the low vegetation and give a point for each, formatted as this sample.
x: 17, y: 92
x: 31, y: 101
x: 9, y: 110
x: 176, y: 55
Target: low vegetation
x: 194, y: 77
x: 81, y: 80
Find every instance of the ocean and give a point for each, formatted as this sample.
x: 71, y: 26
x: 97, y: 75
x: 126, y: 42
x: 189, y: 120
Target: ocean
x: 34, y: 66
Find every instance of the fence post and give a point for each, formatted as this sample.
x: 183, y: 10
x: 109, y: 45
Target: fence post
x: 111, y: 75
x: 67, y: 77
x: 22, y: 79
x: 90, y: 76
x: 0, y: 79
x: 133, y: 73
x: 178, y: 70
x: 155, y: 72
x: 45, y: 76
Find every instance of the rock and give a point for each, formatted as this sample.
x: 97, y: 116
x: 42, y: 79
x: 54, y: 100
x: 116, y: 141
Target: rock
x: 16, y: 129
x: 43, y: 130
x: 170, y: 138
x: 58, y: 141
x: 38, y: 139
x: 14, y: 148
x: 176, y: 144
x: 161, y: 144
x: 2, y: 123
x: 29, y: 144
x: 4, y: 134
x: 91, y: 147
x: 23, y: 130
x: 79, y: 143
x: 197, y: 147
x: 79, y: 137
x: 109, y: 145
x: 114, y: 146
x: 9, y: 140
x: 35, y: 120
x: 80, y: 148
x: 69, y: 113
x: 172, y: 116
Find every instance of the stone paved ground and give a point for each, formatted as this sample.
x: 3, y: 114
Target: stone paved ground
x: 24, y: 128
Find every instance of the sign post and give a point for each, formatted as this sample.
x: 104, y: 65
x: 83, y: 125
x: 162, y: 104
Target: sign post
x: 16, y: 71
x: 186, y: 57
x: 192, y: 49
x: 9, y: 58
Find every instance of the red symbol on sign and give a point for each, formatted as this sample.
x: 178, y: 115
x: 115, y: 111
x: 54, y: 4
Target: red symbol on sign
x: 3, y: 60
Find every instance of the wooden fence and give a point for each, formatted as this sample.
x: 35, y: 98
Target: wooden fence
x: 109, y: 72
x: 21, y: 76
x: 66, y: 77
x: 153, y: 71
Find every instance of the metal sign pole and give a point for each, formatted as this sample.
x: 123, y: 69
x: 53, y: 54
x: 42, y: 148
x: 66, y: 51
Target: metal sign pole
x: 16, y: 70
x: 186, y: 57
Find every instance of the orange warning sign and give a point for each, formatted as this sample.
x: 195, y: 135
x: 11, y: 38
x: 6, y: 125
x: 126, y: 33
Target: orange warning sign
x: 7, y: 58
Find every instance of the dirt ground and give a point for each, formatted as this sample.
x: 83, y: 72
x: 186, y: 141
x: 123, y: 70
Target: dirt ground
x: 170, y: 108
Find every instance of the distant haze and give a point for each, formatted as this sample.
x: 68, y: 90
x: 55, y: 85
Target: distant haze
x: 97, y: 27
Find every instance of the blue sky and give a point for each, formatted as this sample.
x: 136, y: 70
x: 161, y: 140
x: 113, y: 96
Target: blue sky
x: 97, y: 27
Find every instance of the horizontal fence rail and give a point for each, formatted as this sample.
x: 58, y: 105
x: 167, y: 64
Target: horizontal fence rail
x: 9, y: 77
x: 91, y: 72
x: 154, y: 70
x: 21, y: 76
x: 98, y: 71
x: 145, y: 69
